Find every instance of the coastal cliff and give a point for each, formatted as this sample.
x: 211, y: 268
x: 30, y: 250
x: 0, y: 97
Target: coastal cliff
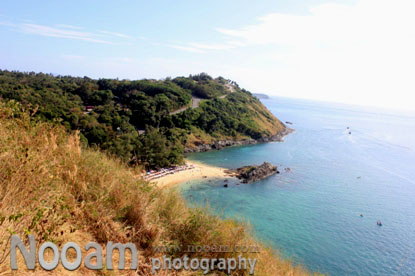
x: 249, y: 121
x: 221, y: 144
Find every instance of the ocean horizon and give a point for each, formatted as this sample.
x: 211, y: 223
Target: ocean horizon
x: 342, y: 170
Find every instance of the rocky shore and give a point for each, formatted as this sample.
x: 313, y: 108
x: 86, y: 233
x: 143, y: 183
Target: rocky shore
x: 218, y: 145
x: 249, y: 174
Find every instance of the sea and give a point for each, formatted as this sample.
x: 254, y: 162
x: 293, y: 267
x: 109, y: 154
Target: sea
x: 343, y: 169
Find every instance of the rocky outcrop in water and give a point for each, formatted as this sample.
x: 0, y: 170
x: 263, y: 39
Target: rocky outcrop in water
x: 250, y: 174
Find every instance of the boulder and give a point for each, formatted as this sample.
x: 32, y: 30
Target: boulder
x: 250, y: 174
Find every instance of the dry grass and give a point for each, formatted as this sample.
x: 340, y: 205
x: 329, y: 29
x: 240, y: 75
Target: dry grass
x: 56, y: 190
x: 265, y: 119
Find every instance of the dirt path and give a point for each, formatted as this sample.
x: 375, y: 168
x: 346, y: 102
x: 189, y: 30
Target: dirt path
x: 230, y: 87
x: 196, y: 100
x: 195, y: 103
x: 179, y: 110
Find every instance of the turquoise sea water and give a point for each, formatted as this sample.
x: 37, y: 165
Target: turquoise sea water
x: 312, y: 213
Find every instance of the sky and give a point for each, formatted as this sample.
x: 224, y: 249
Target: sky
x: 349, y: 51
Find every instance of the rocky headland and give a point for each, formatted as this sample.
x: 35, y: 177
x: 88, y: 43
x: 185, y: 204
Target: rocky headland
x: 220, y: 144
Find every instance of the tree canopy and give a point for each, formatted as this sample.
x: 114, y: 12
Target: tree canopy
x: 131, y: 119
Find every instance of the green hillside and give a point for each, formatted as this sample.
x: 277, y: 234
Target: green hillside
x: 149, y: 122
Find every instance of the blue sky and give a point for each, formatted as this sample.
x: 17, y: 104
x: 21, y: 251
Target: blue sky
x: 352, y: 51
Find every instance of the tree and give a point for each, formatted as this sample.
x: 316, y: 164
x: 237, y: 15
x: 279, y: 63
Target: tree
x: 156, y: 151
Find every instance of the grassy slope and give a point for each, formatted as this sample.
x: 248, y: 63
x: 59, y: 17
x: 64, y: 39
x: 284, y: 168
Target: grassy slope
x: 265, y: 119
x: 58, y: 191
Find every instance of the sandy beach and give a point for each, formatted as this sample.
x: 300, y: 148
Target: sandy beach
x: 199, y: 171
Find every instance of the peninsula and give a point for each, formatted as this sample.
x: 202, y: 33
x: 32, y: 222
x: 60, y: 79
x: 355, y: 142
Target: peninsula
x: 261, y: 96
x: 147, y: 122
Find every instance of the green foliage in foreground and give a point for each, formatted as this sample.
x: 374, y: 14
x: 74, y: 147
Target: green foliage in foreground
x: 131, y: 119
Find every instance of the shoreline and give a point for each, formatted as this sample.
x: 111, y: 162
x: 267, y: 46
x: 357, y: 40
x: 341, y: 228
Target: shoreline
x: 221, y: 144
x: 199, y: 171
x: 202, y: 170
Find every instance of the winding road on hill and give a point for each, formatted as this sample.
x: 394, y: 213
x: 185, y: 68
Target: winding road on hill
x: 196, y: 101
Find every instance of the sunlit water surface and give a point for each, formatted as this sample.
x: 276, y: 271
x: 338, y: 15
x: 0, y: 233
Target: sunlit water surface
x: 312, y: 213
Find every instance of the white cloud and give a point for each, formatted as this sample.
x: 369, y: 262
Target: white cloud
x: 69, y: 26
x: 7, y: 24
x: 186, y: 48
x: 206, y: 46
x: 67, y: 32
x: 198, y: 47
x: 114, y: 34
x: 357, y: 54
x: 44, y: 30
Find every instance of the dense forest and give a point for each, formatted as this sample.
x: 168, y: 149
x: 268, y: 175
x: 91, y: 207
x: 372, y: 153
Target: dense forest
x: 136, y: 120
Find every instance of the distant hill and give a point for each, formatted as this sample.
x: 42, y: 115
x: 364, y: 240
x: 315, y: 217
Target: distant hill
x: 148, y: 121
x: 260, y: 96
